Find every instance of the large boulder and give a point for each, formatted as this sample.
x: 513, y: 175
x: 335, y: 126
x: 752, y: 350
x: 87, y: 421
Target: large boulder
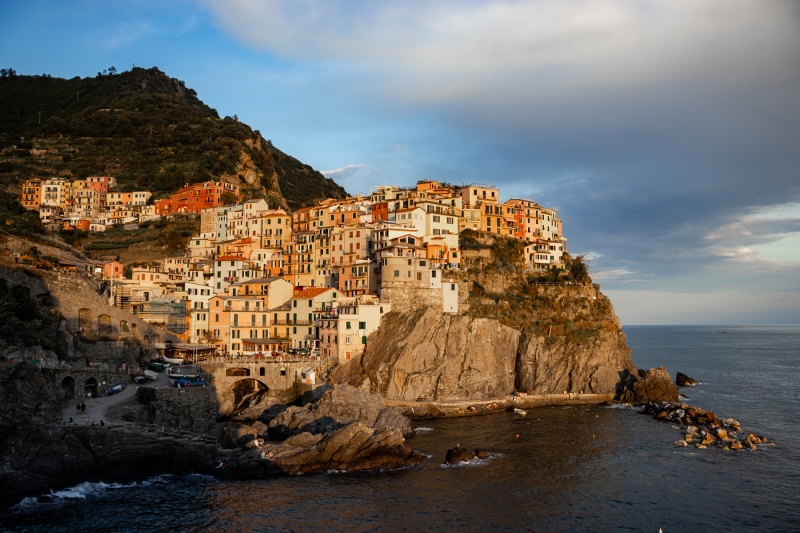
x: 653, y: 385
x: 335, y: 409
x: 352, y: 447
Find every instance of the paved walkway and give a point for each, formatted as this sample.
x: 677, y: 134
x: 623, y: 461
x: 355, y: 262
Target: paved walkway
x: 96, y: 407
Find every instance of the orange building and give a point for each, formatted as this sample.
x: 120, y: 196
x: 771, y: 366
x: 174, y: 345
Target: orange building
x: 195, y: 198
x: 32, y: 194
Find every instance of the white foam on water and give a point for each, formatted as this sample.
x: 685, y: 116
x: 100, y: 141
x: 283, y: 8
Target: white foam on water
x: 472, y: 463
x: 423, y: 429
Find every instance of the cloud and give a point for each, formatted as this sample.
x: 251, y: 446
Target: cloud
x: 343, y: 172
x: 664, y: 132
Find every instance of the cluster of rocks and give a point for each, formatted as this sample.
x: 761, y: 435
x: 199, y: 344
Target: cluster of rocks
x: 459, y: 454
x: 346, y: 429
x: 703, y: 428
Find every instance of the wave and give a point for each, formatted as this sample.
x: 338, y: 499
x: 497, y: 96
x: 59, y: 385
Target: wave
x: 423, y: 429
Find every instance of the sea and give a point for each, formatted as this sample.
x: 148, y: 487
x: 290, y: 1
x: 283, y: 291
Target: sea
x: 574, y: 469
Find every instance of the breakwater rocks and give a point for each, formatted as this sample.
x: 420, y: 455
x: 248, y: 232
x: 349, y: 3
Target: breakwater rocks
x: 703, y: 428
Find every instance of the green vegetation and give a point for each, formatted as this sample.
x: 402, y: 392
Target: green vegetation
x: 146, y: 129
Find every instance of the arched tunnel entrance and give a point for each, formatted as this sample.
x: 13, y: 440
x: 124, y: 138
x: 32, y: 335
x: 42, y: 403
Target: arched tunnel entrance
x: 247, y: 393
x: 68, y: 387
x: 91, y: 387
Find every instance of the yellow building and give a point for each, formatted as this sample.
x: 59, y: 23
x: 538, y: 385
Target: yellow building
x: 32, y: 194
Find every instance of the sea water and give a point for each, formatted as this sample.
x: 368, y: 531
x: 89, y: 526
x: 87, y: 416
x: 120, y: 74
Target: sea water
x: 589, y: 469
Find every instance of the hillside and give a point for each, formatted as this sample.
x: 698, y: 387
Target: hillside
x: 146, y: 129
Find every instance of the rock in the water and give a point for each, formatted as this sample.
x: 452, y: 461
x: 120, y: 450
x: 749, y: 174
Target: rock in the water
x: 458, y: 454
x: 682, y: 380
x: 700, y: 446
x: 653, y: 385
x: 352, y: 447
x: 736, y: 445
x: 722, y: 434
x: 481, y: 454
x: 335, y: 409
x: 681, y: 443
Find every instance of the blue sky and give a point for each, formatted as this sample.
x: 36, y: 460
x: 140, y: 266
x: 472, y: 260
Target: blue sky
x: 667, y: 133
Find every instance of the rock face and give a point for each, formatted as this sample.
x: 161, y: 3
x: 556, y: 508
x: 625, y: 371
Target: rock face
x: 337, y: 408
x: 592, y: 367
x: 682, y: 380
x: 436, y: 356
x: 653, y: 385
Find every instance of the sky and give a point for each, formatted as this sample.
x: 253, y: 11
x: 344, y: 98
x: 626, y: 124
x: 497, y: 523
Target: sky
x: 667, y: 133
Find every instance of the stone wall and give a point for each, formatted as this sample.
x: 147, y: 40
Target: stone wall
x: 193, y: 409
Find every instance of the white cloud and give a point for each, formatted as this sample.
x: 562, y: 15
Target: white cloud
x: 499, y: 52
x: 344, y: 171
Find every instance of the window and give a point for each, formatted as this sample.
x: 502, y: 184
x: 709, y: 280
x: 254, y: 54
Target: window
x: 436, y: 218
x: 347, y: 325
x: 433, y: 273
x: 311, y: 303
x: 397, y: 273
x: 452, y: 286
x: 362, y: 325
x: 347, y: 340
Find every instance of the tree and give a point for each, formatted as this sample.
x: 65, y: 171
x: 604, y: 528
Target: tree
x: 7, y: 72
x: 112, y: 70
x: 228, y: 198
x: 578, y: 268
x: 208, y: 337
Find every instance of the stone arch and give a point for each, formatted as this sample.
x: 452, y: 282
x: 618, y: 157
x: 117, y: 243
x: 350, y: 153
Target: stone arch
x: 147, y: 341
x: 91, y: 386
x: 247, y: 393
x: 156, y: 338
x: 237, y: 372
x: 104, y: 326
x: 123, y: 326
x: 134, y: 329
x: 85, y: 319
x: 68, y: 387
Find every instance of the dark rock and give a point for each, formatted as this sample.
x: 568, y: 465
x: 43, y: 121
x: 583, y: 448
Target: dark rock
x: 682, y: 380
x: 653, y: 385
x: 337, y: 408
x: 481, y: 454
x: 458, y: 454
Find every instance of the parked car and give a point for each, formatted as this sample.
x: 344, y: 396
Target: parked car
x: 140, y: 379
x: 119, y: 387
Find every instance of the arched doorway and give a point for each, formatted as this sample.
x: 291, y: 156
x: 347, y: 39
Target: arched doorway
x: 123, y: 326
x: 104, y: 326
x: 85, y: 320
x: 147, y: 341
x: 91, y: 386
x: 68, y: 387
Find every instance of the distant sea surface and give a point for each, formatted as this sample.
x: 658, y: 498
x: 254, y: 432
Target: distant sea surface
x: 586, y: 469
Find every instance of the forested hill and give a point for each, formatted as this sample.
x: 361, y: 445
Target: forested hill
x: 146, y: 129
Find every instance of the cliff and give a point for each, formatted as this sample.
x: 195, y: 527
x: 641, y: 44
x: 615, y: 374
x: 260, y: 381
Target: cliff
x: 517, y: 330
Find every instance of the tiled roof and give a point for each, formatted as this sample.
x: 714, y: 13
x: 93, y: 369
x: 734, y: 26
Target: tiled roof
x: 311, y: 292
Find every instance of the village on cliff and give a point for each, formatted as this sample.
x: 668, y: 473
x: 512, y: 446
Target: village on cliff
x: 257, y: 279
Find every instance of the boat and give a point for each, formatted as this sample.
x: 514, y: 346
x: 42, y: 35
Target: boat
x: 139, y: 380
x: 172, y: 360
x: 158, y: 367
x: 149, y: 374
x: 188, y: 372
x: 520, y: 412
x: 183, y: 382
